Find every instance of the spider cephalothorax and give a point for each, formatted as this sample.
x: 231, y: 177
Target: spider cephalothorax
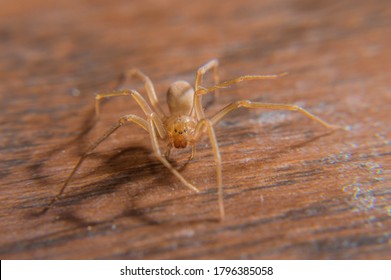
x: 181, y: 130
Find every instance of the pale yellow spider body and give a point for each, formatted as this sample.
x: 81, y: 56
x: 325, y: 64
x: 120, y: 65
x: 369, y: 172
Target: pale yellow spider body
x: 186, y: 122
x: 180, y: 124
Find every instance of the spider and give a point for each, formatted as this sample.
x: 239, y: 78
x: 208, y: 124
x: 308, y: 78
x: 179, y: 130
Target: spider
x: 186, y: 122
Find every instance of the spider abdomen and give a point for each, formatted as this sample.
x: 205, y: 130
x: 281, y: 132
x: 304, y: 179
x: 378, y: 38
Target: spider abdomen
x: 180, y: 98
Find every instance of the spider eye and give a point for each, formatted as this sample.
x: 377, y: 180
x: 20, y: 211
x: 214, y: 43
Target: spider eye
x: 175, y: 130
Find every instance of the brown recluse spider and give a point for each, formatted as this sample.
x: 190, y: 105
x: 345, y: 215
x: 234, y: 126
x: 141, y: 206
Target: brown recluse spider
x: 186, y: 122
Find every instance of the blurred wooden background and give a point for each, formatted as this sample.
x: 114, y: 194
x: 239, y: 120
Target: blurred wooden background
x: 293, y: 190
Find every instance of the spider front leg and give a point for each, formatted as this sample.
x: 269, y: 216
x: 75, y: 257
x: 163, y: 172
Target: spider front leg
x: 216, y: 153
x: 125, y: 119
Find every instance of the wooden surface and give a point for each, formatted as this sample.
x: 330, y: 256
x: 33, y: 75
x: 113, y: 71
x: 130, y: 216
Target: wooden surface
x: 292, y: 189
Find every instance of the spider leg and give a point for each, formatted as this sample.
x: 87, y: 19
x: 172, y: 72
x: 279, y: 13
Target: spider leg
x: 216, y: 153
x: 158, y: 153
x: 192, y: 152
x: 213, y: 64
x: 124, y: 92
x: 124, y: 119
x: 248, y: 104
x: 236, y: 80
x: 150, y: 89
x: 140, y: 101
x: 202, y: 91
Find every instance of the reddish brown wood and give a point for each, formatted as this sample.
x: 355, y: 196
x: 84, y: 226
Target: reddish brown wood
x: 293, y: 190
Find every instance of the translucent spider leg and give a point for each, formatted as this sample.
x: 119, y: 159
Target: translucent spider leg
x: 155, y: 145
x: 140, y: 101
x: 124, y: 92
x: 213, y: 64
x: 248, y: 104
x: 216, y: 153
x: 228, y: 83
x: 150, y: 89
x: 124, y: 119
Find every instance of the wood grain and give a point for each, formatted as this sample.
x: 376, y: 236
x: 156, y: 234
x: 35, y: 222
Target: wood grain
x: 292, y: 189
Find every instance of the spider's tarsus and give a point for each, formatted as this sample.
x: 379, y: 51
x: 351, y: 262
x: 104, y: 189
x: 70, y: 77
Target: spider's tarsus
x: 342, y: 127
x: 283, y: 74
